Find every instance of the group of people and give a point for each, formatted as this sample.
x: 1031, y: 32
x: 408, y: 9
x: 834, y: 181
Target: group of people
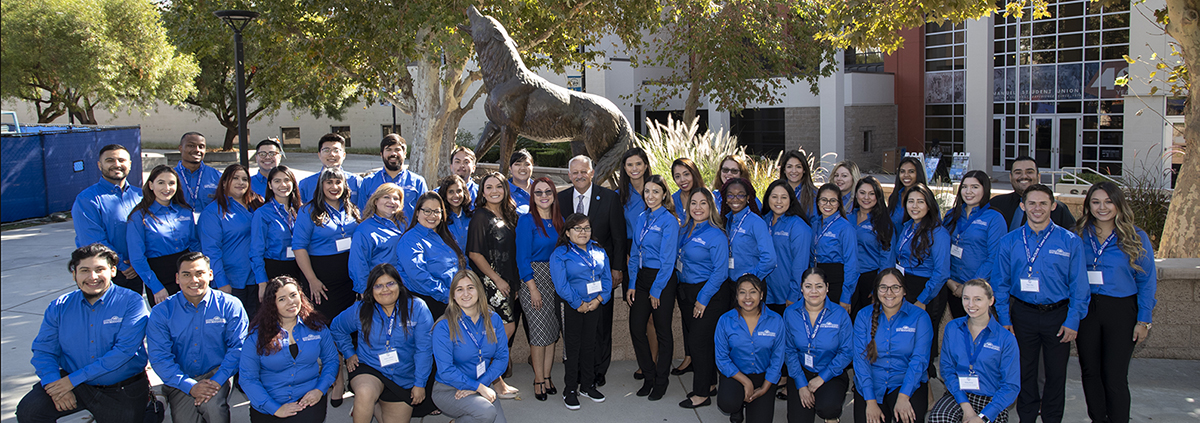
x: 411, y: 297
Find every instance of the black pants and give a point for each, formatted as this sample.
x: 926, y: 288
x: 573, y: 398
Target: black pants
x: 276, y: 268
x: 123, y: 402
x: 835, y: 275
x: 701, y: 332
x: 314, y: 414
x: 863, y: 293
x: 581, y: 339
x: 936, y: 310
x: 1105, y: 345
x: 657, y: 374
x: 828, y: 399
x: 164, y: 269
x: 919, y: 401
x: 684, y: 305
x: 334, y: 272
x: 436, y: 308
x: 249, y: 298
x: 136, y: 285
x: 731, y: 398
x: 604, y: 338
x: 1037, y: 338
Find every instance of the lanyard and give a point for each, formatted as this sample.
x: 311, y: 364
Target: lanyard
x: 974, y: 346
x: 1099, y: 249
x: 467, y: 331
x: 817, y: 236
x: 588, y: 261
x: 391, y: 322
x: 340, y: 221
x: 1031, y: 258
x: 908, y: 235
x: 646, y: 227
x: 287, y: 217
x: 816, y: 326
x: 193, y: 194
x: 734, y: 231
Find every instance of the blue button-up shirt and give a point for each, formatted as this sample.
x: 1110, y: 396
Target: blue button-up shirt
x: 412, y: 184
x: 871, y: 255
x: 749, y: 245
x: 655, y: 246
x: 276, y: 379
x: 934, y: 264
x: 458, y: 225
x: 186, y: 340
x: 374, y: 242
x: 836, y: 241
x: 259, y: 184
x: 532, y: 244
x: 96, y: 344
x: 427, y: 264
x: 308, y: 187
x: 1120, y: 279
x: 166, y: 230
x: 519, y: 196
x: 898, y: 212
x: 472, y: 188
x: 225, y: 239
x: 902, y: 343
x: 681, y: 205
x: 1058, y: 267
x: 740, y: 350
x: 321, y: 239
x: 997, y: 364
x: 633, y: 208
x: 977, y: 235
x: 829, y: 340
x: 573, y: 268
x: 703, y: 253
x: 793, y: 240
x: 458, y: 358
x: 99, y: 215
x: 411, y: 342
x: 270, y: 237
x: 198, y: 187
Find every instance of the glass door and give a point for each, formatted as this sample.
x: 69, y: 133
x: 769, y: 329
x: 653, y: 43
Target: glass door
x: 1057, y: 141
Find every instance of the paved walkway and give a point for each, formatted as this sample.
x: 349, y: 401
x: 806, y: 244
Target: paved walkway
x: 33, y: 272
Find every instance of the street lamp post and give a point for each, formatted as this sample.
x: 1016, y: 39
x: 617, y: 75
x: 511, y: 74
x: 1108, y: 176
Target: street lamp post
x: 237, y: 20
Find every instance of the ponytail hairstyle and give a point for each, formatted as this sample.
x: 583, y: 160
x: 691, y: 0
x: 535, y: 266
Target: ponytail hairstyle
x: 575, y: 219
x: 960, y: 206
x: 793, y: 208
x: 1127, y: 237
x: 829, y: 186
x: 758, y: 284
x: 877, y: 308
x: 987, y: 290
x: 366, y: 308
x: 697, y: 179
x: 880, y: 220
x: 667, y: 203
x: 923, y: 233
x: 807, y: 191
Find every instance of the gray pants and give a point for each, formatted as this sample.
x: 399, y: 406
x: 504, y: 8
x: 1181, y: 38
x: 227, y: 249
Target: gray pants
x: 472, y: 409
x: 185, y: 410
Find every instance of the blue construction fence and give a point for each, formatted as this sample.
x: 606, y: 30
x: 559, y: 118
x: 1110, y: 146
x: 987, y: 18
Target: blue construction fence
x: 43, y: 168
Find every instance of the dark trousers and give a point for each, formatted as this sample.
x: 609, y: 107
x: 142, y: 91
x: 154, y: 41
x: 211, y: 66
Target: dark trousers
x: 863, y: 293
x: 136, y: 285
x: 581, y: 336
x: 276, y: 268
x: 684, y: 305
x: 334, y: 272
x: 936, y: 310
x: 828, y: 399
x: 657, y: 374
x: 604, y: 338
x: 314, y: 414
x: 164, y: 269
x: 731, y: 398
x: 1105, y: 345
x: 1037, y: 338
x: 834, y: 276
x: 123, y: 402
x: 701, y: 332
x: 919, y: 401
x: 249, y: 298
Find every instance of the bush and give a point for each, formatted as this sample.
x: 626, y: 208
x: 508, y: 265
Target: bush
x: 1148, y: 199
x: 545, y: 155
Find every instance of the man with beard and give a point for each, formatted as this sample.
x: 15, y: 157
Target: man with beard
x: 393, y: 149
x: 88, y: 353
x: 1023, y: 172
x: 331, y: 149
x: 100, y: 212
x: 462, y: 163
x: 267, y: 154
x: 197, y: 180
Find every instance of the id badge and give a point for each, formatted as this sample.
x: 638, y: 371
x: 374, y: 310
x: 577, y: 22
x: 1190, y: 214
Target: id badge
x: 968, y: 382
x: 343, y: 244
x: 900, y: 268
x: 1029, y: 285
x: 731, y: 263
x: 1095, y: 277
x: 594, y: 287
x: 388, y: 358
x: 480, y: 369
x: 956, y: 251
x: 290, y: 253
x: 808, y: 360
x: 679, y: 265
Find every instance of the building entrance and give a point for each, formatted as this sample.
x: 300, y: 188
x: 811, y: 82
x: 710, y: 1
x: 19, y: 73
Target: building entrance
x: 1057, y: 141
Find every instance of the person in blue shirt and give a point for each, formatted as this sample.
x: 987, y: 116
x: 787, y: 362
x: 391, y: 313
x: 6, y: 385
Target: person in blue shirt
x: 793, y: 241
x: 703, y: 253
x: 652, y: 286
x: 271, y: 253
x: 462, y: 164
x: 795, y: 169
x: 393, y: 149
x: 289, y: 359
x: 471, y: 353
x: 331, y: 150
x: 537, y: 233
x: 749, y: 349
x: 689, y: 180
x: 580, y: 270
x: 1123, y: 284
x: 923, y: 255
x: 846, y: 175
x: 458, y: 202
x: 391, y: 361
x: 379, y: 229
x: 198, y: 181
x: 835, y: 246
x: 520, y: 168
x: 750, y: 247
x: 891, y: 353
x: 161, y: 229
x: 909, y: 172
x: 321, y: 241
x: 731, y: 167
x: 1041, y: 269
x: 974, y: 228
x: 195, y: 341
x: 88, y: 353
x: 225, y: 236
x: 979, y: 363
x: 820, y: 345
x: 428, y: 254
x: 877, y: 240
x: 267, y: 155
x: 100, y: 212
x: 635, y: 167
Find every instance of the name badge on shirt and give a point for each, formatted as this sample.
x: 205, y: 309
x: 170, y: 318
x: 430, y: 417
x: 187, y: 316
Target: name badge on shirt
x: 900, y: 268
x: 388, y: 358
x: 956, y: 251
x: 1029, y: 285
x: 968, y: 382
x: 343, y: 244
x: 480, y: 369
x: 679, y: 265
x: 594, y: 287
x: 1095, y: 277
x: 731, y: 262
x: 290, y: 253
x: 808, y: 360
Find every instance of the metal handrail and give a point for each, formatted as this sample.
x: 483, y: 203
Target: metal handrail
x: 1071, y: 174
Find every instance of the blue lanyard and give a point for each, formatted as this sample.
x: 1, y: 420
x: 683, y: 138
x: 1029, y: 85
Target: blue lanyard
x: 283, y: 212
x: 816, y: 326
x: 391, y: 322
x: 646, y: 227
x: 193, y: 194
x: 1099, y: 249
x: 974, y: 346
x: 467, y: 331
x: 908, y: 236
x: 733, y: 232
x: 1031, y: 258
x: 817, y: 235
x: 588, y: 261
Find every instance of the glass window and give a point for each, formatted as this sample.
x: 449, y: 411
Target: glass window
x: 344, y: 131
x: 1068, y: 56
x: 290, y: 135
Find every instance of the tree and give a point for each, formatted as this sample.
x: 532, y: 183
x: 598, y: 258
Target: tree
x: 1181, y: 233
x: 68, y: 56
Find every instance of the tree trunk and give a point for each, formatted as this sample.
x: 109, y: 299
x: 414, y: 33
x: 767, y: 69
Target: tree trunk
x: 428, y: 113
x: 692, y: 103
x: 1181, y: 233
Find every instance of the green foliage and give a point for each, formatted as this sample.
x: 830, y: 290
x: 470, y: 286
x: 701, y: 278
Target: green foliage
x: 545, y: 155
x: 877, y: 23
x: 68, y: 56
x: 675, y: 139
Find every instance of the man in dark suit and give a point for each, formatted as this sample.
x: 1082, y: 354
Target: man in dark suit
x: 603, y: 208
x: 1023, y: 172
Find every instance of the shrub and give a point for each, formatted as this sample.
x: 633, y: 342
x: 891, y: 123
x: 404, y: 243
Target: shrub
x: 675, y: 139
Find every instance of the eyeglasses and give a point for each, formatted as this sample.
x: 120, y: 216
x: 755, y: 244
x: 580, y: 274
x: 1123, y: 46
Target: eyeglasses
x: 734, y: 170
x: 328, y: 150
x: 581, y: 229
x: 388, y: 285
x: 830, y: 201
x: 545, y: 193
x: 431, y: 212
x: 267, y: 154
x: 736, y: 196
x: 893, y: 289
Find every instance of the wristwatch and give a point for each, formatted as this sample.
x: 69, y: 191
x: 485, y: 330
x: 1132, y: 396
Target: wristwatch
x: 984, y: 418
x: 1147, y: 325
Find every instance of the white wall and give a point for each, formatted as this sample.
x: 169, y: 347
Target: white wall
x: 1144, y: 134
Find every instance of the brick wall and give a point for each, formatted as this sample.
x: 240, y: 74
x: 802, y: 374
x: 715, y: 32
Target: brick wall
x: 881, y: 121
x: 803, y: 129
x: 1176, y: 331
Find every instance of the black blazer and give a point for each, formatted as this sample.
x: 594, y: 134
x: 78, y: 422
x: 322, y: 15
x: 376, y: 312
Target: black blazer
x: 608, y: 221
x: 1007, y: 204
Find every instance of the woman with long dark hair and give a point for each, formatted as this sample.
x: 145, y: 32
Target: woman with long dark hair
x: 471, y: 353
x: 835, y: 246
x: 635, y: 167
x: 703, y: 253
x: 225, y: 235
x: 794, y: 168
x: 820, y: 345
x: 688, y: 178
x: 391, y: 361
x: 161, y: 230
x: 923, y: 255
x: 492, y: 249
x: 456, y: 201
x: 792, y: 239
x: 750, y: 245
x: 520, y: 166
x: 909, y: 173
x: 877, y: 239
x: 582, y: 278
x: 271, y: 231
x: 974, y: 229
x: 980, y: 363
x: 537, y: 234
x: 749, y: 350
x: 428, y: 254
x: 379, y: 229
x: 652, y: 286
x: 289, y: 359
x: 891, y: 344
x: 321, y: 241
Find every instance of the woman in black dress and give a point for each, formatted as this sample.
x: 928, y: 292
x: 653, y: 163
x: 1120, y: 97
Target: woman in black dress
x: 492, y: 249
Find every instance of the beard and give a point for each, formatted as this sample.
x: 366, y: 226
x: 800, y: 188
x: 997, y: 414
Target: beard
x: 392, y: 167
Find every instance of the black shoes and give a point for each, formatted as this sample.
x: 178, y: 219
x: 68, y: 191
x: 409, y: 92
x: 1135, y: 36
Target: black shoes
x: 571, y: 400
x: 540, y: 396
x: 737, y: 417
x: 658, y: 392
x: 687, y: 403
x: 638, y: 375
x: 552, y: 390
x: 600, y: 380
x: 679, y: 371
x: 647, y: 386
x: 592, y: 394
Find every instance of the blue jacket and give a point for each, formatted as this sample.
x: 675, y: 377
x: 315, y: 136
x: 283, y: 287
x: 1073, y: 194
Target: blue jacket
x: 308, y: 186
x: 270, y: 237
x: 321, y: 239
x: 276, y: 379
x: 1059, y: 269
x: 374, y: 243
x: 198, y: 187
x: 902, y: 344
x: 96, y: 344
x: 166, y: 230
x: 836, y: 241
x: 935, y: 264
x: 871, y: 255
x: 186, y: 341
x: 977, y: 235
x: 654, y: 246
x: 831, y: 342
x: 532, y: 245
x: 225, y: 239
x: 739, y: 350
x: 99, y: 215
x: 749, y: 245
x: 792, y: 238
x: 1120, y: 279
x: 412, y: 184
x: 458, y: 358
x: 413, y: 344
x: 997, y: 364
x: 702, y: 255
x: 427, y: 264
x: 573, y: 269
